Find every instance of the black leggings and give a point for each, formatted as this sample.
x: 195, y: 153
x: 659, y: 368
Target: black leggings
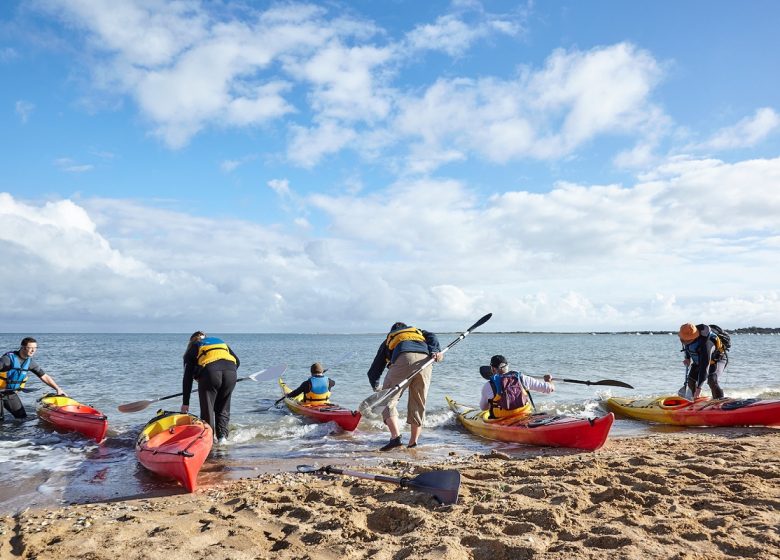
x: 13, y: 404
x: 215, y: 387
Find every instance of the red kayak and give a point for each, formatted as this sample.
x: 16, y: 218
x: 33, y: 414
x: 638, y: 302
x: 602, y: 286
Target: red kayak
x: 322, y: 412
x: 70, y: 415
x: 536, y: 429
x: 701, y: 412
x: 175, y: 446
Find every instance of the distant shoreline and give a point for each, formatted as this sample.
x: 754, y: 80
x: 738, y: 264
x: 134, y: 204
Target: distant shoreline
x: 742, y: 330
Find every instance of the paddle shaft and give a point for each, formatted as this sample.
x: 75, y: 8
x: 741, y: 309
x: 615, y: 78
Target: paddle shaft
x: 366, y: 476
x: 443, y: 485
x: 375, y: 400
x: 607, y: 382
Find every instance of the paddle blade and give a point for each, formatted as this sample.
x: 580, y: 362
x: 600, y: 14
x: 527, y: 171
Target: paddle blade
x: 134, y: 406
x: 267, y: 374
x: 376, y: 400
x: 479, y: 323
x: 608, y: 382
x: 444, y: 485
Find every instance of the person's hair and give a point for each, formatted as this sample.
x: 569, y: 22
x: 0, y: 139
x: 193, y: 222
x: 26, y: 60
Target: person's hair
x: 27, y: 340
x: 194, y: 337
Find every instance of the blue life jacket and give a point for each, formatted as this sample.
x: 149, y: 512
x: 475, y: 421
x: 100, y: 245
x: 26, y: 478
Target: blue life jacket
x: 692, y: 349
x: 320, y: 389
x: 15, y: 378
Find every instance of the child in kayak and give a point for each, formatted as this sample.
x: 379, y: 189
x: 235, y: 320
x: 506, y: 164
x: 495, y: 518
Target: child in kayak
x: 316, y: 389
x: 506, y: 393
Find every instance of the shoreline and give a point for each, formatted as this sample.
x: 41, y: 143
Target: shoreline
x: 678, y: 495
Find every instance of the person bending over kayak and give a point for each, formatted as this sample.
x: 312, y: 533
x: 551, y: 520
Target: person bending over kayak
x: 403, y: 351
x: 213, y: 364
x: 14, y: 368
x: 315, y: 390
x: 506, y: 392
x: 706, y: 357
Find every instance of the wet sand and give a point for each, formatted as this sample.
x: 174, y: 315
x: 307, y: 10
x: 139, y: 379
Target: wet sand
x: 704, y: 494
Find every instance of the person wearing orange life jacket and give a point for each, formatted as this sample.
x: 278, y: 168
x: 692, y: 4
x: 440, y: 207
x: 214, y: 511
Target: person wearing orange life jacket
x: 706, y: 357
x: 14, y: 368
x: 211, y: 362
x: 403, y: 351
x: 316, y: 389
x: 500, y: 380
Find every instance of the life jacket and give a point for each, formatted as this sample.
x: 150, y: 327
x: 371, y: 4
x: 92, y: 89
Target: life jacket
x: 692, y: 349
x: 509, y: 395
x: 16, y: 377
x: 320, y: 389
x: 397, y: 337
x: 212, y: 349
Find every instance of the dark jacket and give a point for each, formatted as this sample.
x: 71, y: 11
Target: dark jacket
x: 701, y: 352
x: 192, y: 369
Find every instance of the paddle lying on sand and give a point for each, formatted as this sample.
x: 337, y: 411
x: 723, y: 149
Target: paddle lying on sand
x: 341, y: 360
x: 443, y: 485
x: 379, y: 398
x: 262, y: 375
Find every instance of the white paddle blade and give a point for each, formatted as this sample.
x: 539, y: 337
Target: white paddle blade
x: 267, y: 374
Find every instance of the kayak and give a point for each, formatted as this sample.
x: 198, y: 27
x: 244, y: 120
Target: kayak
x: 70, y: 415
x: 702, y: 412
x: 321, y: 412
x: 175, y: 445
x: 536, y: 429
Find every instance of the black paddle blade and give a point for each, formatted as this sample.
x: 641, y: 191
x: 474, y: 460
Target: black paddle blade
x: 479, y: 323
x: 608, y: 382
x: 444, y: 485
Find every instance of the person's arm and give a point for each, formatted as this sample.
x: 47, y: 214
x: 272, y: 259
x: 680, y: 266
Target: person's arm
x: 331, y: 383
x: 238, y: 362
x: 45, y: 377
x: 304, y: 387
x: 190, y: 372
x: 377, y: 367
x: 538, y: 385
x: 487, y: 394
x: 434, y: 349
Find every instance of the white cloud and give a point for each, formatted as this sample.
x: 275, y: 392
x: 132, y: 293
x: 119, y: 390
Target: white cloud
x: 24, y: 109
x: 70, y: 166
x: 746, y: 133
x: 580, y: 257
x: 8, y: 54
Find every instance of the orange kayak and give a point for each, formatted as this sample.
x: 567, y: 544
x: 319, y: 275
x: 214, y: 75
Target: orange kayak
x: 322, y: 412
x: 175, y: 445
x: 70, y: 415
x: 536, y: 429
x: 701, y: 412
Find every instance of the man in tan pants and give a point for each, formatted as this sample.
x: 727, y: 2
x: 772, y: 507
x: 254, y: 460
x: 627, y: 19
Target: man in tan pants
x: 403, y: 351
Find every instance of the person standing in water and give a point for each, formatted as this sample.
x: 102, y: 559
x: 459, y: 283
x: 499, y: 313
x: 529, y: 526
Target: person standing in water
x: 211, y: 362
x: 14, y: 368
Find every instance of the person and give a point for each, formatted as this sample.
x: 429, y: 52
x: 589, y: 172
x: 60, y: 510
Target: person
x: 211, y: 362
x: 513, y: 386
x: 706, y: 359
x: 403, y: 351
x: 14, y: 366
x: 316, y: 389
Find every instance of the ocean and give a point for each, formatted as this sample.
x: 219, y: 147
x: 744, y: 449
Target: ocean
x: 40, y: 467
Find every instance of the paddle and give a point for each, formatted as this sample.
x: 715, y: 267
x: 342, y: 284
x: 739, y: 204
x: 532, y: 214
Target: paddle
x: 375, y: 400
x: 262, y: 375
x: 609, y: 382
x: 341, y: 360
x: 443, y: 485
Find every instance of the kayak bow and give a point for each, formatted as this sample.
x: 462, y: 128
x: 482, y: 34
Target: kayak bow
x: 175, y: 446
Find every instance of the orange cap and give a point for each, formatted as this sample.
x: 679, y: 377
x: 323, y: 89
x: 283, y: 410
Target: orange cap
x: 689, y: 332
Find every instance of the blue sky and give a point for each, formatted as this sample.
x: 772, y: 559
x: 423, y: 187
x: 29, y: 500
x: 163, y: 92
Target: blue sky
x: 335, y: 167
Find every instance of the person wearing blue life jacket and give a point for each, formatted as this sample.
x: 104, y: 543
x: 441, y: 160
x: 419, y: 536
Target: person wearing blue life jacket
x: 403, y: 351
x: 212, y: 363
x: 500, y: 380
x: 706, y: 358
x: 14, y: 371
x: 316, y: 389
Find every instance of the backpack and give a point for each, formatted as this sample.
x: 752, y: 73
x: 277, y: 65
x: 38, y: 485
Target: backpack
x: 510, y: 391
x: 724, y: 337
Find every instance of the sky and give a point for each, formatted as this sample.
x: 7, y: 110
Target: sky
x: 335, y: 167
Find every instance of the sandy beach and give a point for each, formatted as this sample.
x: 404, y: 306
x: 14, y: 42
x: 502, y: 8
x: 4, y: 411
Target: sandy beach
x: 703, y: 495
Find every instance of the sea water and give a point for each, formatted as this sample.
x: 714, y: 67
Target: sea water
x: 40, y: 467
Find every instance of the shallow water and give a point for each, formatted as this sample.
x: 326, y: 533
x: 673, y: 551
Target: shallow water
x: 41, y: 467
